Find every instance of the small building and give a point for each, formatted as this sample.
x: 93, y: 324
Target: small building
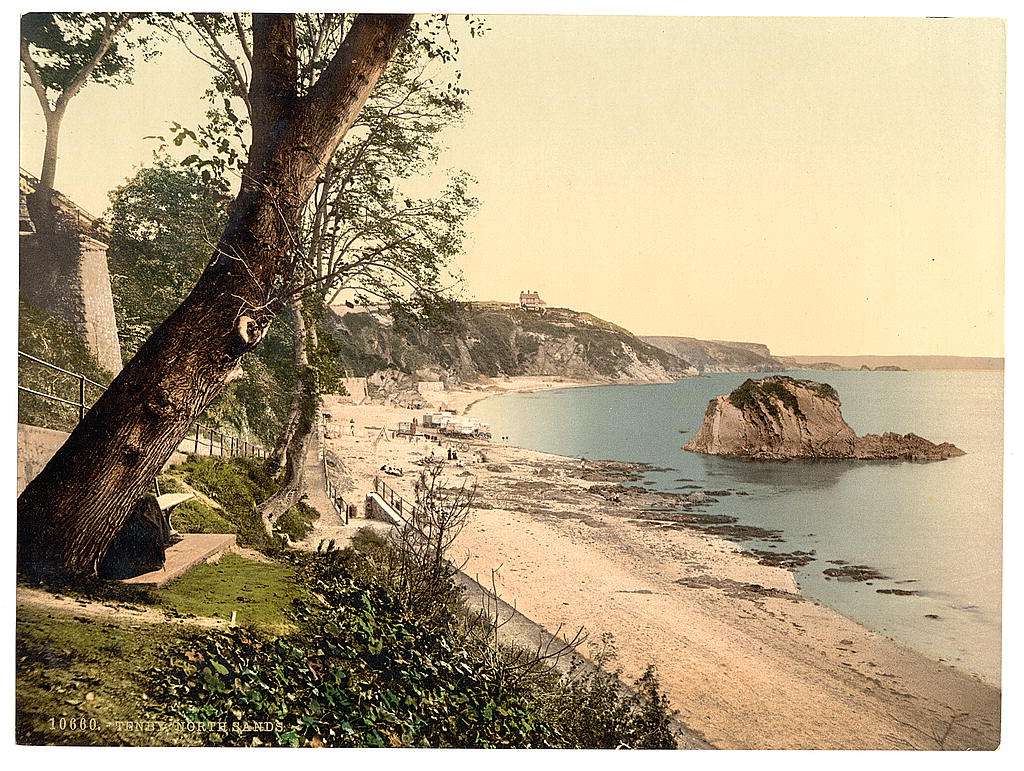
x: 436, y: 419
x: 446, y: 423
x: 531, y: 301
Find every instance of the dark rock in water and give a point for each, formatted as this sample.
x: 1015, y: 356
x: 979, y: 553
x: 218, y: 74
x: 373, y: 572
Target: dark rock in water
x: 855, y: 573
x: 899, y: 592
x: 793, y: 559
x: 782, y: 418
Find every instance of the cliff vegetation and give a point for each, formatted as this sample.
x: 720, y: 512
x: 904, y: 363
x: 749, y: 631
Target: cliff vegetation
x: 501, y: 339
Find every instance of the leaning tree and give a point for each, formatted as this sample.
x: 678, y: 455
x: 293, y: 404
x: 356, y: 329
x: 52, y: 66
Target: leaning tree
x: 69, y: 514
x: 359, y: 231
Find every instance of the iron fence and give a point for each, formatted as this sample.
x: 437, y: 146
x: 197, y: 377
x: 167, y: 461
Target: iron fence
x: 204, y: 436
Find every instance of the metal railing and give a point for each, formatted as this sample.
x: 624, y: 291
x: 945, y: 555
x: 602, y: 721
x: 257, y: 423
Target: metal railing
x: 340, y: 507
x: 215, y: 440
x: 82, y: 381
x: 410, y: 513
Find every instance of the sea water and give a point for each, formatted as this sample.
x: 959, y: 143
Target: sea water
x: 931, y: 527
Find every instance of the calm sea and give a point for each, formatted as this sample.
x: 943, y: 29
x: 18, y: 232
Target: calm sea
x: 933, y: 527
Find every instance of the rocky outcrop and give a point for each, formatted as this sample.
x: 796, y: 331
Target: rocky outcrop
x: 719, y: 355
x: 497, y: 340
x: 830, y: 366
x: 782, y: 418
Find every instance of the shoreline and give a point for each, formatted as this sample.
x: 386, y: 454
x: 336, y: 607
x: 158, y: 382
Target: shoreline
x: 737, y: 646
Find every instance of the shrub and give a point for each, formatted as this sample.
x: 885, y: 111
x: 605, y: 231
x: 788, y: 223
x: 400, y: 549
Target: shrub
x: 368, y: 669
x: 196, y: 517
x: 298, y: 520
x: 238, y: 485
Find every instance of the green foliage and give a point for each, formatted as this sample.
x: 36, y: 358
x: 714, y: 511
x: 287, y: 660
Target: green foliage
x: 498, y: 340
x: 824, y: 390
x: 367, y: 538
x: 53, y: 340
x: 326, y: 357
x: 62, y: 44
x: 238, y: 485
x: 165, y: 223
x: 596, y: 712
x: 367, y: 675
x: 259, y: 401
x: 297, y: 520
x: 366, y: 669
x: 196, y: 517
x: 363, y: 231
x: 760, y: 396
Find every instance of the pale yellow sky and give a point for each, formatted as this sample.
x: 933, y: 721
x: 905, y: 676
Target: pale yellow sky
x: 819, y: 185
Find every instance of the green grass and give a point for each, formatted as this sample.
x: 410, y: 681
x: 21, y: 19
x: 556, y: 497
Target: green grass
x: 261, y: 593
x: 196, y: 517
x: 761, y: 395
x: 62, y: 660
x: 238, y: 485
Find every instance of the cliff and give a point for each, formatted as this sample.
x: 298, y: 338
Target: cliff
x: 792, y: 362
x: 719, y: 355
x: 885, y: 363
x: 497, y: 340
x: 781, y: 418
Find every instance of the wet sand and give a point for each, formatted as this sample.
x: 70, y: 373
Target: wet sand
x: 744, y: 658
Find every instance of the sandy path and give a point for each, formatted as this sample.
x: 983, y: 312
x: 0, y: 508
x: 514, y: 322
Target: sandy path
x: 118, y: 612
x: 744, y: 659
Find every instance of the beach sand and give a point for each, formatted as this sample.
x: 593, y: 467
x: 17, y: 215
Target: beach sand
x: 745, y: 659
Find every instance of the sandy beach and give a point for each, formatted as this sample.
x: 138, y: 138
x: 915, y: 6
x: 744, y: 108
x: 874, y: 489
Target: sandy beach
x: 745, y: 659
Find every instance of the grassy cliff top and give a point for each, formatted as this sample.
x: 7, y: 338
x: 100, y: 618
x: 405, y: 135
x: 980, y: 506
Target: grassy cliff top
x: 765, y: 393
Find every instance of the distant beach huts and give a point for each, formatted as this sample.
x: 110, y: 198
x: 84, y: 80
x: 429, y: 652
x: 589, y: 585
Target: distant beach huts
x: 446, y: 423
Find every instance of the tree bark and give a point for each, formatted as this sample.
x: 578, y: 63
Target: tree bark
x: 49, y: 171
x: 301, y: 360
x: 69, y: 514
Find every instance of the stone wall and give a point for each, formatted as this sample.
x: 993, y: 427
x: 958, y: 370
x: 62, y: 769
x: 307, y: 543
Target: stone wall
x: 35, y: 448
x: 63, y: 270
x: 37, y: 445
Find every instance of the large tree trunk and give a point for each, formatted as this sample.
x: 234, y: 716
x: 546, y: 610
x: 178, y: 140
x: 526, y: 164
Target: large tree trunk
x: 69, y: 514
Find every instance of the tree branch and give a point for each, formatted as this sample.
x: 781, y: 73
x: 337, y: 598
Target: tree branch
x: 242, y: 86
x: 34, y: 79
x: 242, y: 38
x: 109, y: 32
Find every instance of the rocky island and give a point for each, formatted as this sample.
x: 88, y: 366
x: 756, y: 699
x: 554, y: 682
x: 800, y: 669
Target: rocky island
x: 783, y: 418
